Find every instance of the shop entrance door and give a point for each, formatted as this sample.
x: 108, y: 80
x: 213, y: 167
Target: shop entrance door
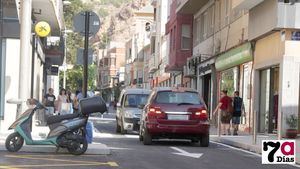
x: 207, y: 90
x: 268, y: 112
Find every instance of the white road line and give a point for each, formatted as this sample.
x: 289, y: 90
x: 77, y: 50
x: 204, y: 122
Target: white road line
x: 104, y: 119
x: 185, y: 153
x: 242, y: 150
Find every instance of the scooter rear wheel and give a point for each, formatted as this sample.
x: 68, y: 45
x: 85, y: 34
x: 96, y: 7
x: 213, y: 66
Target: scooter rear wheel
x: 14, y: 142
x: 78, y: 148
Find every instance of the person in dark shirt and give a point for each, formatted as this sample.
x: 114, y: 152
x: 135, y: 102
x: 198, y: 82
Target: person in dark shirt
x: 224, y: 106
x: 238, y: 107
x: 49, y: 100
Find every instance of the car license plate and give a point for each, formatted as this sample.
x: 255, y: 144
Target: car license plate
x: 178, y: 117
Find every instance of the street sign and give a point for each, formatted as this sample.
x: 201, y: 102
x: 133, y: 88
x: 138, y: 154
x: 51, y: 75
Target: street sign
x: 79, y: 57
x: 79, y: 23
x: 53, y: 70
x: 42, y: 29
x: 87, y: 23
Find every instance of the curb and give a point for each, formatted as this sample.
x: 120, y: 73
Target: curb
x: 93, y: 149
x: 244, y: 146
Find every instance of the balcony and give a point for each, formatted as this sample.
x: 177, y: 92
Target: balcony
x: 154, y: 3
x: 54, y: 52
x: 190, y: 6
x: 189, y: 70
x: 152, y: 64
x: 153, y: 29
x: 246, y: 4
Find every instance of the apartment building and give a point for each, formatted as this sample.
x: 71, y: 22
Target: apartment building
x: 222, y: 56
x: 159, y: 58
x: 110, y: 68
x: 251, y: 47
x: 274, y: 28
x: 137, y: 47
x: 179, y: 44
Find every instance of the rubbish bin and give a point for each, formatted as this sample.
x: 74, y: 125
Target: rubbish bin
x: 89, y: 132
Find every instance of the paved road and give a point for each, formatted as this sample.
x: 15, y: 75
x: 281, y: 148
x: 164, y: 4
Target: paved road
x: 129, y: 153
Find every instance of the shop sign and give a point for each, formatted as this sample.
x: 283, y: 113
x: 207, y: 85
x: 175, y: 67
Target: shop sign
x: 203, y: 69
x: 42, y: 29
x: 234, y: 57
x: 53, y: 70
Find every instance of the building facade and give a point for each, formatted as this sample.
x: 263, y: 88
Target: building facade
x: 233, y: 49
x: 276, y: 62
x: 179, y: 44
x: 137, y: 48
x: 44, y: 58
x: 222, y: 56
x: 109, y: 67
x: 159, y: 58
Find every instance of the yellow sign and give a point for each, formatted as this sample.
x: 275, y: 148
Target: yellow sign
x: 42, y: 29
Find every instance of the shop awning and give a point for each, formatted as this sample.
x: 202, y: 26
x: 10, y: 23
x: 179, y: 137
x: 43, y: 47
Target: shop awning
x: 234, y: 57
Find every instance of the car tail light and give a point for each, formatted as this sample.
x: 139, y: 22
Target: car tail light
x: 155, y: 113
x: 200, y: 114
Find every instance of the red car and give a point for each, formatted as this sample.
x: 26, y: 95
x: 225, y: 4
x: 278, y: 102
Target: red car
x: 174, y: 113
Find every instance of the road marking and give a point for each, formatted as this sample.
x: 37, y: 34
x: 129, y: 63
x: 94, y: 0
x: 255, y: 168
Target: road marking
x: 185, y: 153
x: 7, y: 167
x: 112, y: 164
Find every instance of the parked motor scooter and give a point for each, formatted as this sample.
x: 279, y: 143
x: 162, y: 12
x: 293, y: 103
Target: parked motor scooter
x: 67, y: 131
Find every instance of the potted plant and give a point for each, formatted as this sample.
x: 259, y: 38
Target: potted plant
x: 292, y: 122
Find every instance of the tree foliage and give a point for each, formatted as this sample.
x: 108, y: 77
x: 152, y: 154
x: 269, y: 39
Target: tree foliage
x: 74, y: 76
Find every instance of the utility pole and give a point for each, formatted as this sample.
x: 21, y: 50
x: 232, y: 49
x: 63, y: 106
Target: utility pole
x: 25, y: 35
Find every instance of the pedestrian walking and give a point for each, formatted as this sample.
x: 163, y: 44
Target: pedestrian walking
x: 62, y: 100
x: 225, y: 110
x: 238, y: 108
x: 69, y: 96
x: 49, y: 100
x: 76, y: 102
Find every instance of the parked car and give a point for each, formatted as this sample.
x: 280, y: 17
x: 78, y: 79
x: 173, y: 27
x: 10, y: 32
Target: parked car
x: 128, y: 113
x: 175, y: 113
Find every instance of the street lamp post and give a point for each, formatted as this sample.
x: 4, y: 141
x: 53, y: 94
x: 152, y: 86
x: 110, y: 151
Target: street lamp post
x: 65, y: 55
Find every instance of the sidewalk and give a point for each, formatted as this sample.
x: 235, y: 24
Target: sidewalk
x: 245, y: 141
x: 41, y: 132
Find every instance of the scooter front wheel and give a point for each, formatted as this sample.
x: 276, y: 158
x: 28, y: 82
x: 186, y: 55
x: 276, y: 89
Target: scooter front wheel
x: 78, y: 148
x: 14, y: 142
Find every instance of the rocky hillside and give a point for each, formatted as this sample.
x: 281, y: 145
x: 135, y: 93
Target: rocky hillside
x: 116, y: 18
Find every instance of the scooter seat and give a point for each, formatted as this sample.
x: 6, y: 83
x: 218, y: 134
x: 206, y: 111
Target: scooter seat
x: 59, y: 118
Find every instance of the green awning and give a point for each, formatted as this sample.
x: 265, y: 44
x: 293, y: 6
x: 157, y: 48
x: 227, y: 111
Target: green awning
x: 234, y: 57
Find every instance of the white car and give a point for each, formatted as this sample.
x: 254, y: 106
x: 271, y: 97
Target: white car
x: 128, y: 112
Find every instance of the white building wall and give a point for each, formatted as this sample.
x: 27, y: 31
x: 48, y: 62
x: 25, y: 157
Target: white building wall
x: 12, y: 53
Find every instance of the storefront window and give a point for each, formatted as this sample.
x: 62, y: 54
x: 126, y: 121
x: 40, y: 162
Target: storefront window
x: 229, y: 80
